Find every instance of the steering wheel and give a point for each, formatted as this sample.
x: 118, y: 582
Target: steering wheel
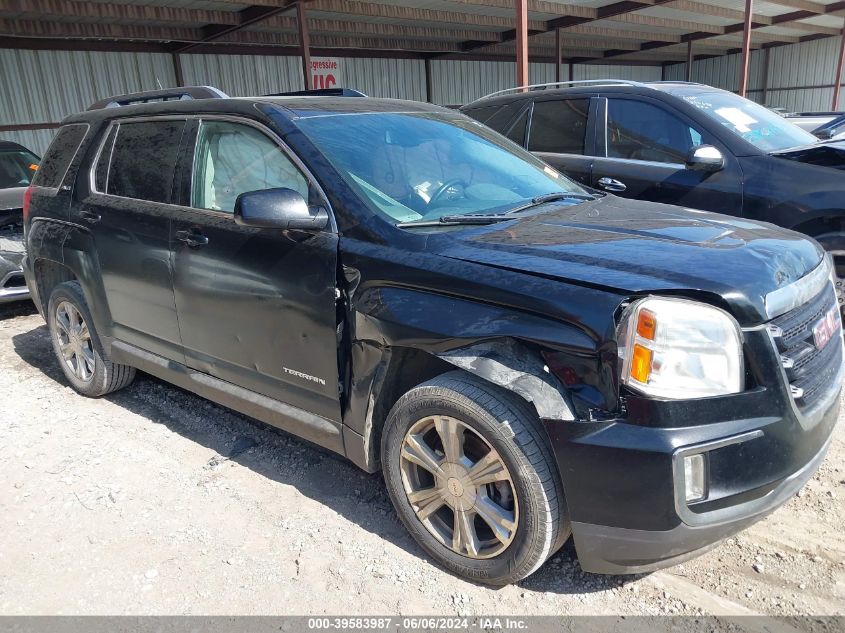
x: 444, y: 188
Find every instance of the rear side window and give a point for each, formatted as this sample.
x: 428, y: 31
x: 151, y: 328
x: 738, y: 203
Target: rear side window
x: 559, y: 126
x: 143, y: 160
x: 497, y: 117
x: 53, y: 167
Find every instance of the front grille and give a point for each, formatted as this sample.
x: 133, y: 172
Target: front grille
x: 809, y: 370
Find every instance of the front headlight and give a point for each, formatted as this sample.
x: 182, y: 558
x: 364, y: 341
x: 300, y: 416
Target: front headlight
x: 680, y: 349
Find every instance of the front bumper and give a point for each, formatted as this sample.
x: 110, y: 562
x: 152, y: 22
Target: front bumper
x: 623, y: 479
x: 613, y: 550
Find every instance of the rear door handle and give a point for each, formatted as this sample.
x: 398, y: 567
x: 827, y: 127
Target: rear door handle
x: 611, y: 184
x: 193, y: 239
x: 90, y: 217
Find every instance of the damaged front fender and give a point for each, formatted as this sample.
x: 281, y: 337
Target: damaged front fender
x: 510, y: 365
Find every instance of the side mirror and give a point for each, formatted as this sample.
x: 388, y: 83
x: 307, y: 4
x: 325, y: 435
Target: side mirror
x: 278, y: 209
x: 705, y: 158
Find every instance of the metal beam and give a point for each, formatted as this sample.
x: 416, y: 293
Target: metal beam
x: 567, y: 21
x: 757, y: 22
x: 111, y: 12
x: 521, y: 7
x: 252, y: 14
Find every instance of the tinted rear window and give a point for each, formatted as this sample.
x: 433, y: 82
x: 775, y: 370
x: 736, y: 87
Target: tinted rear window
x: 53, y: 167
x: 559, y: 126
x: 143, y: 160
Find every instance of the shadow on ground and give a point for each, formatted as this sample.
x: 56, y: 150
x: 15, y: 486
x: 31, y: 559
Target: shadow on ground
x: 323, y: 476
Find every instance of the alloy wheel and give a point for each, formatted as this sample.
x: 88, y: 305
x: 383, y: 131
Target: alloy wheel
x: 459, y: 487
x: 74, y: 340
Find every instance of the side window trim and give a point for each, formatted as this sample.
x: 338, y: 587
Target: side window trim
x: 101, y: 147
x: 516, y: 119
x: 190, y: 158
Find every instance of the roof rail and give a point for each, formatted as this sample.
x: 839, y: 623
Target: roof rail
x: 150, y: 96
x: 320, y: 92
x: 581, y: 82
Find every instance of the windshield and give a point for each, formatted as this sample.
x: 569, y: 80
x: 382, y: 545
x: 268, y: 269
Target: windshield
x: 766, y: 130
x: 17, y: 167
x: 421, y: 167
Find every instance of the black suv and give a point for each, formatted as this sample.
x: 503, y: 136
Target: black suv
x: 392, y: 280
x: 685, y: 144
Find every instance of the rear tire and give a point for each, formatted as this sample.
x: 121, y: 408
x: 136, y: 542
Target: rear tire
x: 508, y: 513
x: 77, y: 346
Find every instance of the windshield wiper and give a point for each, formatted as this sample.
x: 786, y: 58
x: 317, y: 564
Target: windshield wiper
x: 469, y: 219
x: 551, y: 197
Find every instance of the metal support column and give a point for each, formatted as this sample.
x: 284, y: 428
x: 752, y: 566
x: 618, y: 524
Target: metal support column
x: 690, y: 60
x: 766, y: 58
x: 429, y: 96
x: 746, y: 48
x: 837, y: 84
x: 521, y: 43
x: 177, y: 69
x: 558, y: 56
x: 304, y: 44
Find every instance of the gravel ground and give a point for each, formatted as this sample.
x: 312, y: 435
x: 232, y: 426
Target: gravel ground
x: 155, y: 501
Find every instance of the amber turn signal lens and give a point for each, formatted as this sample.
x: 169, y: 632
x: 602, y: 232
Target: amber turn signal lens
x: 641, y: 363
x: 647, y: 324
x: 33, y: 167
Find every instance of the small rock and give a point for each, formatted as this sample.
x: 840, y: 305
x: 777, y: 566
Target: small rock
x: 758, y: 567
x: 802, y: 586
x: 151, y: 573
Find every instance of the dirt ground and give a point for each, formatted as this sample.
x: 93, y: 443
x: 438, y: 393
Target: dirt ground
x: 154, y: 501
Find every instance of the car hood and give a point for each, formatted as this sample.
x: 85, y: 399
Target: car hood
x: 636, y: 247
x: 11, y: 198
x: 823, y: 154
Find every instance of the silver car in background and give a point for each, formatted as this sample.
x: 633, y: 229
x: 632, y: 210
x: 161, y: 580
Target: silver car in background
x: 17, y: 167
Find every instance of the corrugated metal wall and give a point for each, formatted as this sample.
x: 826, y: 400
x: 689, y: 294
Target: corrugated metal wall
x: 456, y: 82
x: 793, y: 72
x: 46, y: 86
x: 243, y: 75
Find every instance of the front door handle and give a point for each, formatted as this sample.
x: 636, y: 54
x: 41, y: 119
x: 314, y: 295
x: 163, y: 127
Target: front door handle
x: 193, y: 239
x: 611, y: 184
x: 90, y: 217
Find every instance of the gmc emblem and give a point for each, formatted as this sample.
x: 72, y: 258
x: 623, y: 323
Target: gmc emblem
x: 828, y: 326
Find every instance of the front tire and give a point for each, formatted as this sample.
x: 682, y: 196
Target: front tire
x: 77, y: 346
x: 473, y: 480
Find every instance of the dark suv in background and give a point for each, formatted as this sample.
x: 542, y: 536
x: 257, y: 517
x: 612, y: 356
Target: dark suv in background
x: 685, y: 144
x: 392, y: 280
